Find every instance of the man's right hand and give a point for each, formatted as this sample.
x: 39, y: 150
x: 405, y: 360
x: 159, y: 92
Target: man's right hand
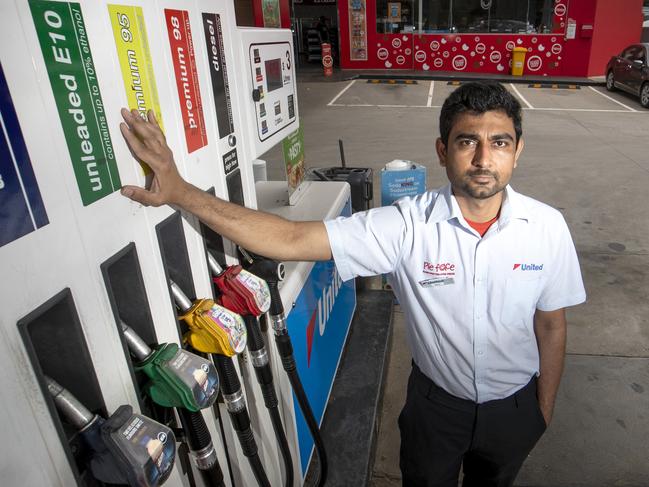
x: 148, y: 144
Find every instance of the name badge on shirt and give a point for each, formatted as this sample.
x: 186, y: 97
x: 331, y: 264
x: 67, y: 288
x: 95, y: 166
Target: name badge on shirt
x: 439, y: 281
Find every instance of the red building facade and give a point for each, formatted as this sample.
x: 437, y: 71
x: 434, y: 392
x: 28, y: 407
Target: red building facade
x: 562, y: 37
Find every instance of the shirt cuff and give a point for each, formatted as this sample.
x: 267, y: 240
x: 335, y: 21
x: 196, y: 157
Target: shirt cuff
x: 563, y: 302
x: 338, y: 253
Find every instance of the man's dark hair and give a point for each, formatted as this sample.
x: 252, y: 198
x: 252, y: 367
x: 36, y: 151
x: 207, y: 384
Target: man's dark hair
x: 476, y: 98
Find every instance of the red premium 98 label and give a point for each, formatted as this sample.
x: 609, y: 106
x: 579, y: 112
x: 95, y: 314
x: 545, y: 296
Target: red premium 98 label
x: 182, y: 54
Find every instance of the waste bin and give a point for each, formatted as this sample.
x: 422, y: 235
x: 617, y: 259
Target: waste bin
x: 359, y: 178
x: 362, y: 189
x: 518, y: 60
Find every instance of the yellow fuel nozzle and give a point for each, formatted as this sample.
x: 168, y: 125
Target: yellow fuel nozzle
x: 212, y: 328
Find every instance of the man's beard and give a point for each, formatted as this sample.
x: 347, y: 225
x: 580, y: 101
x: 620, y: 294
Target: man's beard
x: 481, y: 191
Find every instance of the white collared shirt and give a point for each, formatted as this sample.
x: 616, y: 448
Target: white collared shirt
x: 469, y: 301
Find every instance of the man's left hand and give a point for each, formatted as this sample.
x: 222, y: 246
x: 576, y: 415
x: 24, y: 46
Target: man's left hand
x: 547, y: 413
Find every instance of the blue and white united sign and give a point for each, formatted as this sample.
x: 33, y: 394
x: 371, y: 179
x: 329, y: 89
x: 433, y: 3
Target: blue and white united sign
x: 318, y: 325
x: 21, y: 207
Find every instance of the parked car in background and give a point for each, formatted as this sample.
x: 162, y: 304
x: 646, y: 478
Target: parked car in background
x: 629, y: 72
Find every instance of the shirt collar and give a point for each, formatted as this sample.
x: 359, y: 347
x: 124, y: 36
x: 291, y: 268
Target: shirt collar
x: 446, y: 207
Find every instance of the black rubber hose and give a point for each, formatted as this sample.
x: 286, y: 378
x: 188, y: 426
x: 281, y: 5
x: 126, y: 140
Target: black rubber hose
x: 276, y: 306
x: 258, y: 470
x: 255, y: 340
x: 285, y: 348
x: 283, y: 445
x: 265, y: 380
x: 263, y: 323
x: 230, y: 384
x: 229, y: 380
x: 198, y: 438
x: 272, y: 272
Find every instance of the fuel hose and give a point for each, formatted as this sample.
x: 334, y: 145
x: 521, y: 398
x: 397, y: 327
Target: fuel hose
x: 259, y: 358
x: 273, y: 272
x: 236, y: 406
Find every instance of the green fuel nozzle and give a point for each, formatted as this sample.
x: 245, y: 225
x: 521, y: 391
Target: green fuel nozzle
x: 178, y: 378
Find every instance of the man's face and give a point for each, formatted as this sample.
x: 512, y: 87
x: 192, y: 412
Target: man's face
x: 481, y: 154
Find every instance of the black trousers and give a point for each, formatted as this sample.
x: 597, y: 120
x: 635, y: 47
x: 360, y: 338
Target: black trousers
x: 440, y: 433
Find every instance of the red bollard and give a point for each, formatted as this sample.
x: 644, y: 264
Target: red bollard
x: 327, y: 60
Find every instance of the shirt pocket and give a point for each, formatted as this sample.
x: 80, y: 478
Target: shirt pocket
x: 520, y: 298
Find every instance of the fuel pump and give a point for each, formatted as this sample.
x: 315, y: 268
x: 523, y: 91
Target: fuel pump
x: 249, y: 296
x: 127, y: 447
x: 216, y: 330
x: 273, y: 272
x: 187, y: 382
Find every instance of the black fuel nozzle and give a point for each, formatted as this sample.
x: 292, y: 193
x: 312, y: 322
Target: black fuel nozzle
x: 127, y: 447
x: 273, y: 273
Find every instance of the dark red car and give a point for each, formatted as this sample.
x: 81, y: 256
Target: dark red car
x: 629, y: 72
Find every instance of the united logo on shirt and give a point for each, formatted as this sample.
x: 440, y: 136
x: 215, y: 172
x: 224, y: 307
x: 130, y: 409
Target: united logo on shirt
x: 528, y: 267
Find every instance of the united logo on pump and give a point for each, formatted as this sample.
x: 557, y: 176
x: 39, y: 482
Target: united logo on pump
x: 323, y: 310
x: 318, y: 324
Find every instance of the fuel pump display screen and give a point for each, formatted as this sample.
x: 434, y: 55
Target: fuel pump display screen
x: 272, y: 85
x: 274, y: 74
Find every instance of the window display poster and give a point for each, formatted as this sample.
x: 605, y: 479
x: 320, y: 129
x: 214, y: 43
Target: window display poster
x: 358, y: 30
x: 394, y: 12
x: 270, y: 10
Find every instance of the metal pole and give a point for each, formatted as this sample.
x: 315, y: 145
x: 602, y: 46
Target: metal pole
x: 342, y: 153
x: 136, y: 345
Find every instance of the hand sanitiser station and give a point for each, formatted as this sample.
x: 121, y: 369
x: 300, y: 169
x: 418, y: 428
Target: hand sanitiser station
x: 90, y: 279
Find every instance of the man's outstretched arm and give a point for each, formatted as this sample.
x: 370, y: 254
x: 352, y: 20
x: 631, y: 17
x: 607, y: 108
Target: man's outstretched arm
x: 262, y: 233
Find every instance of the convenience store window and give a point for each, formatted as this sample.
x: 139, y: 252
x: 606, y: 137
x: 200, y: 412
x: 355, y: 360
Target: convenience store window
x: 394, y: 17
x: 464, y: 16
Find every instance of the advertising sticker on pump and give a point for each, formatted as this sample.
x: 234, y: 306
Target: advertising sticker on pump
x: 135, y: 62
x: 184, y: 61
x: 21, y: 206
x: 66, y: 51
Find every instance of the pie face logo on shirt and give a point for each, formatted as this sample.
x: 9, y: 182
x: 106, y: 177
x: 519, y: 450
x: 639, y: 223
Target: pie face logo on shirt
x: 439, y: 269
x: 528, y: 267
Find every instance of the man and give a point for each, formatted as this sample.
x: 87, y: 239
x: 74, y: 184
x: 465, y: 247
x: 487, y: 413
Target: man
x: 482, y: 273
x: 322, y: 29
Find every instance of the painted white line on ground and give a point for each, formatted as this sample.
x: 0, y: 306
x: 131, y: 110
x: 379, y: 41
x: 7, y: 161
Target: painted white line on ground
x: 579, y: 110
x: 612, y: 99
x: 521, y: 96
x: 430, y: 93
x: 341, y: 92
x: 350, y: 105
x: 365, y: 105
x: 382, y: 106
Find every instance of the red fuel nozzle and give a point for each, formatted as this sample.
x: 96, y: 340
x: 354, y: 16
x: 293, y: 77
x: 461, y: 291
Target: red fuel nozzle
x: 241, y: 292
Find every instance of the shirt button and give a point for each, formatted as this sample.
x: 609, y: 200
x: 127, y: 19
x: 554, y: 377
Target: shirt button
x: 480, y: 352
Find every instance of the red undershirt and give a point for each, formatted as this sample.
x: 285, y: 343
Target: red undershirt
x: 482, y: 227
